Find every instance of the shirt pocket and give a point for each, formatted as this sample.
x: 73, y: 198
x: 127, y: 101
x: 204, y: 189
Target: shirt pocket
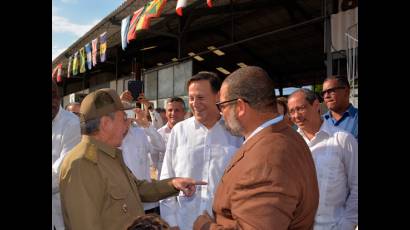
x: 118, y: 200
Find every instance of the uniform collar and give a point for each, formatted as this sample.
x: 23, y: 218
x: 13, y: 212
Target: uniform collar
x: 96, y: 145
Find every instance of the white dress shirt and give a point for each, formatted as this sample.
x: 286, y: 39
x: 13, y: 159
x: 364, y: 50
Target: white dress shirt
x: 65, y: 135
x: 335, y: 154
x: 164, y: 131
x: 196, y: 152
x: 139, y: 147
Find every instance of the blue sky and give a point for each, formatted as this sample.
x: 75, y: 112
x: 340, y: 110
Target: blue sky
x: 73, y: 18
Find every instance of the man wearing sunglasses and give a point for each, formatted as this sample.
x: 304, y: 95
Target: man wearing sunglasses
x: 342, y: 113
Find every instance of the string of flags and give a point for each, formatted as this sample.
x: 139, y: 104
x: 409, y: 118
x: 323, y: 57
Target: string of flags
x: 86, y: 57
x: 83, y: 59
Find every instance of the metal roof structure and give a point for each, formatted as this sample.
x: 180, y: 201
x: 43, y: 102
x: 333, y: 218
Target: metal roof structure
x: 285, y: 37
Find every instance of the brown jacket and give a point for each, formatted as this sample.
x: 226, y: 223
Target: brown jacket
x: 269, y: 184
x: 98, y: 192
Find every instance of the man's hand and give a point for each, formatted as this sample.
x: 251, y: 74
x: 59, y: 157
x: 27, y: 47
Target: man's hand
x: 141, y: 118
x: 126, y: 96
x: 186, y: 185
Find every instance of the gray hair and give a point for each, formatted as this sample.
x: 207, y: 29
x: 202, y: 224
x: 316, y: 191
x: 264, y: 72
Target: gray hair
x: 253, y: 85
x: 310, y: 96
x: 92, y: 126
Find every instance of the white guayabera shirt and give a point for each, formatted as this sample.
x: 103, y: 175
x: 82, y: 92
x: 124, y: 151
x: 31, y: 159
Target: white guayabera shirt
x: 335, y: 154
x: 200, y: 153
x: 139, y: 146
x: 65, y: 135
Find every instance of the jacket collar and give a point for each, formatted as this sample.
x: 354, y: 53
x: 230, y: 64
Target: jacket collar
x: 277, y: 127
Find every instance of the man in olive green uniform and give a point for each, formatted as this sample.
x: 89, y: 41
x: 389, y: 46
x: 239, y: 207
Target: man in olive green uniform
x: 97, y: 190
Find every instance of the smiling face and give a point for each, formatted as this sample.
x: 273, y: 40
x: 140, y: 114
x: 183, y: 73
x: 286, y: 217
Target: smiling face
x: 301, y: 112
x: 202, y: 101
x: 175, y: 112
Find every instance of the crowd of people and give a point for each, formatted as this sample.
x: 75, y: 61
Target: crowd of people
x: 245, y: 159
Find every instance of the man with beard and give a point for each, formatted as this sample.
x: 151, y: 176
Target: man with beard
x: 199, y: 147
x: 98, y: 191
x: 270, y: 182
x: 342, y: 114
x: 65, y: 135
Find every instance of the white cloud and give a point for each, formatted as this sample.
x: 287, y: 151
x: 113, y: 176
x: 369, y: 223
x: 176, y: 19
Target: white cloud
x: 57, y: 51
x: 64, y: 25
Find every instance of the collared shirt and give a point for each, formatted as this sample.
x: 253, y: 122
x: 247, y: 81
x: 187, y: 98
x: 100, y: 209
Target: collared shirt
x: 264, y: 125
x: 164, y: 131
x: 335, y: 154
x: 99, y: 192
x: 347, y: 122
x: 139, y: 147
x: 201, y: 153
x: 65, y: 135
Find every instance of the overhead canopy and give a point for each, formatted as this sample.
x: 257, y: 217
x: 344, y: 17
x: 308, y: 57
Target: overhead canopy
x: 285, y: 37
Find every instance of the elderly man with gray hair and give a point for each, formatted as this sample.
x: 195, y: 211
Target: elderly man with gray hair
x: 98, y: 191
x: 335, y: 154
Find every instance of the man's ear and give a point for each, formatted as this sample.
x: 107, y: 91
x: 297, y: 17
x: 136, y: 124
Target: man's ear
x: 104, y: 122
x: 316, y: 105
x: 241, y: 107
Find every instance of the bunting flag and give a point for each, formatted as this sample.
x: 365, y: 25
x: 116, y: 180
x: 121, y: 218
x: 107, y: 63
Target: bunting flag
x: 82, y: 60
x: 94, y: 51
x: 133, y: 24
x: 75, y: 64
x: 209, y: 3
x: 103, y: 46
x: 125, y: 24
x: 152, y: 10
x: 69, y: 66
x: 88, y: 52
x: 180, y: 4
x: 57, y: 72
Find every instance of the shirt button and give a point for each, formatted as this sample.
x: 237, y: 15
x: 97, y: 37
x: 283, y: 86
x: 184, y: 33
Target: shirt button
x: 125, y: 208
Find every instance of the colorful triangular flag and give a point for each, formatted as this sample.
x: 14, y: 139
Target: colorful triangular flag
x: 82, y: 60
x: 75, y: 63
x: 70, y: 59
x: 133, y: 24
x: 180, y: 4
x: 94, y: 51
x: 88, y: 53
x: 103, y: 46
x: 57, y: 72
x: 125, y: 24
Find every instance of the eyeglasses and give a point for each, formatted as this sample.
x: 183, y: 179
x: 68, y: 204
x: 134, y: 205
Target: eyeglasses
x: 300, y: 109
x: 331, y: 90
x: 220, y: 106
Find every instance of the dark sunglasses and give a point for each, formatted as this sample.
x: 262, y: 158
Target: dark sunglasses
x: 331, y: 90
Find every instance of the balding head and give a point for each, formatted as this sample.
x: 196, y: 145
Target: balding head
x: 253, y: 85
